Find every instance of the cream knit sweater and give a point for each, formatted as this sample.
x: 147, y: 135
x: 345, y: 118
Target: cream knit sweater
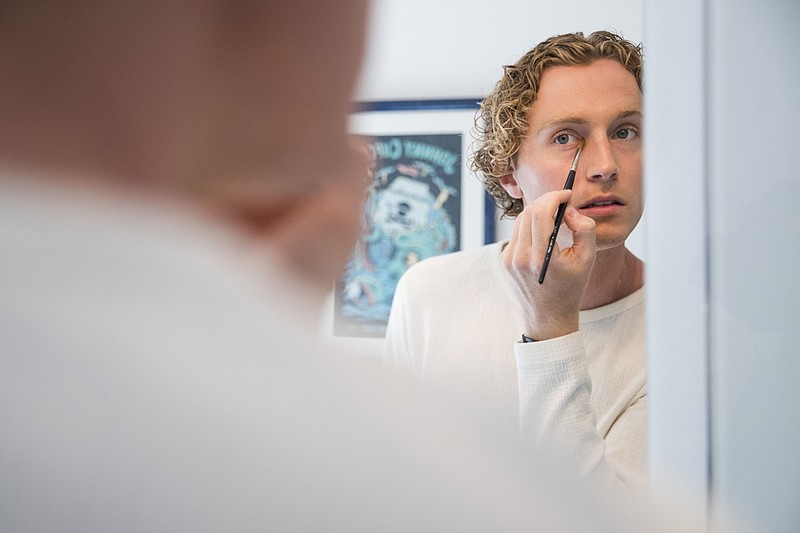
x: 456, y: 325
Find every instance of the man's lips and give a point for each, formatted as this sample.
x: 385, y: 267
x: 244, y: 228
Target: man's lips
x: 602, y: 206
x: 601, y: 202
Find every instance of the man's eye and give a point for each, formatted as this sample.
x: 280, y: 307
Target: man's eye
x: 626, y: 133
x: 562, y: 138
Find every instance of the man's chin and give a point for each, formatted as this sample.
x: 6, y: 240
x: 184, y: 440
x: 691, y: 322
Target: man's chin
x: 608, y: 240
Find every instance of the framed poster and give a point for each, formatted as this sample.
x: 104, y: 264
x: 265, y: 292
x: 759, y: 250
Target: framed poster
x: 422, y: 201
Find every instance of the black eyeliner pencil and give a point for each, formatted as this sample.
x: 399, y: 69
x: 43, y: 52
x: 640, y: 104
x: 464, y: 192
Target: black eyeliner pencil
x: 560, y: 214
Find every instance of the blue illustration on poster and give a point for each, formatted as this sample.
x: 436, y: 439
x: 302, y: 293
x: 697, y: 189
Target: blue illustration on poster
x: 412, y: 212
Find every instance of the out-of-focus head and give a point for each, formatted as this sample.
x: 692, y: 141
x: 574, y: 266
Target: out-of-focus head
x: 241, y: 105
x: 503, y: 117
x: 284, y: 77
x: 208, y: 93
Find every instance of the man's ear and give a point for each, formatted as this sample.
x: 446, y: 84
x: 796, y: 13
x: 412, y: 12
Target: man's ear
x: 509, y: 183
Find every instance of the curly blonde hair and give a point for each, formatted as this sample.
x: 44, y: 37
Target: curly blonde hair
x: 502, y: 120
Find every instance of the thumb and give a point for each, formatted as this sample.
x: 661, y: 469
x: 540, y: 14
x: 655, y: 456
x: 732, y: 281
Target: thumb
x: 583, y: 232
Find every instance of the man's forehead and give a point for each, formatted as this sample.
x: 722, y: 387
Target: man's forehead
x: 598, y: 68
x: 583, y: 93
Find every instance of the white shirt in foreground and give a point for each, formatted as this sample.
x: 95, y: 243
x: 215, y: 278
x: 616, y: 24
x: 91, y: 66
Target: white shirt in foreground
x: 156, y: 375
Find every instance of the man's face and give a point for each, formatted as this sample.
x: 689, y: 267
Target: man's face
x: 602, y: 104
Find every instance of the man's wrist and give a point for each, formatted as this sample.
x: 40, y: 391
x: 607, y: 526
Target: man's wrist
x: 550, y: 331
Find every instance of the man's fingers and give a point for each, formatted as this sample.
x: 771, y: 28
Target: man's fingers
x: 520, y: 253
x: 542, y: 214
x: 532, y: 230
x: 583, y: 231
x: 522, y: 229
x: 577, y: 222
x: 547, y: 204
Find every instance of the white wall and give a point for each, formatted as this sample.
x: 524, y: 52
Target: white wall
x: 421, y: 49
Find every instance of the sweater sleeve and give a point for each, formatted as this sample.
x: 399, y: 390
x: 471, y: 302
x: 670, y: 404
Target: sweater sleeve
x: 556, y: 414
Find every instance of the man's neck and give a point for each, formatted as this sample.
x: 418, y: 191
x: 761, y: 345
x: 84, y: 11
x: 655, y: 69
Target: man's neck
x: 616, y: 273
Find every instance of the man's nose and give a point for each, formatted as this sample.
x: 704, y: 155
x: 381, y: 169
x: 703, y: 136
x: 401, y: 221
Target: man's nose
x: 597, y: 159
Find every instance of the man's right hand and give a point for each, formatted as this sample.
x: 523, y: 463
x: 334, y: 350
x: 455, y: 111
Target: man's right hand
x: 551, y: 308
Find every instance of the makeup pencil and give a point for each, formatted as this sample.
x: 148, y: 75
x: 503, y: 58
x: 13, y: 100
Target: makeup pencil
x: 560, y: 213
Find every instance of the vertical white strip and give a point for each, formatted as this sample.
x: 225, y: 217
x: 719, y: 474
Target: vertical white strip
x: 754, y: 258
x: 676, y: 243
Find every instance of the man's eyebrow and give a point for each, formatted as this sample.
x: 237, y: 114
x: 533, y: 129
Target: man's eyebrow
x: 561, y: 121
x: 628, y: 113
x: 572, y: 119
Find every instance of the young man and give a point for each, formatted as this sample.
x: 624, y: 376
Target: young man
x: 578, y: 380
